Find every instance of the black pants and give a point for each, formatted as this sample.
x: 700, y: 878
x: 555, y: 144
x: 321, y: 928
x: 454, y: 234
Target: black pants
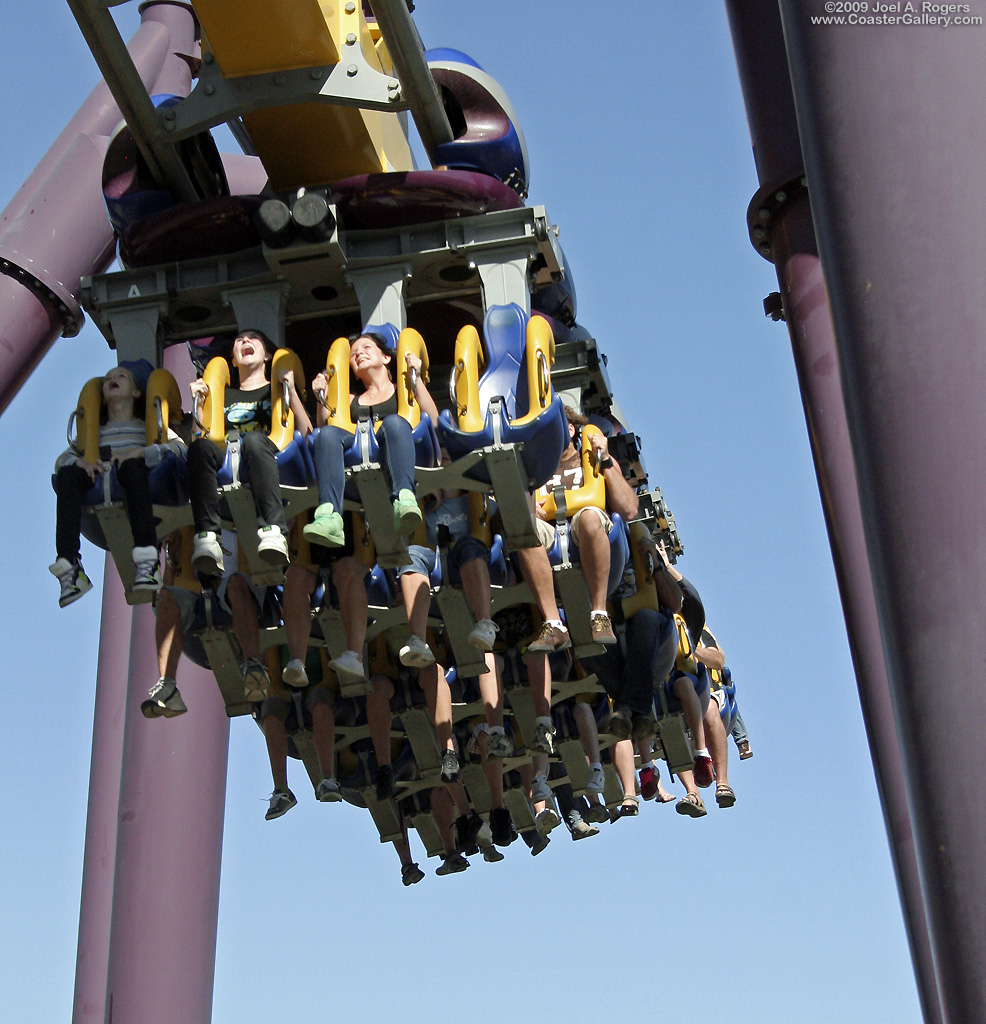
x: 631, y: 679
x: 71, y: 485
x: 258, y: 465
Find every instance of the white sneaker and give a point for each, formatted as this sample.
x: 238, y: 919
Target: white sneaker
x: 498, y: 745
x: 71, y: 578
x: 483, y: 634
x: 546, y: 821
x: 544, y: 740
x: 294, y: 674
x: 255, y: 680
x: 207, y: 554
x: 540, y: 790
x: 273, y: 545
x: 348, y: 667
x: 147, y: 566
x: 597, y: 781
x: 416, y: 653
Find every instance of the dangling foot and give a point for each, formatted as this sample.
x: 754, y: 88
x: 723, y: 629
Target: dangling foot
x: 163, y: 700
x: 407, y: 515
x: 326, y: 527
x: 72, y: 578
x: 147, y: 569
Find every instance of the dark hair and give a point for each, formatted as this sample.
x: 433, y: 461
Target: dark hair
x: 140, y: 402
x: 381, y: 342
x: 269, y: 349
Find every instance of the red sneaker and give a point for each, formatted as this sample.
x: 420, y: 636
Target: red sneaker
x: 705, y: 773
x: 649, y: 781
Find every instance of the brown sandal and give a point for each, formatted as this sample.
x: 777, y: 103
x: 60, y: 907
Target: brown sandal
x: 725, y: 797
x: 692, y: 805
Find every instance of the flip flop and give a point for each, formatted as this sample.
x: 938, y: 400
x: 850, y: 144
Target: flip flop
x: 725, y: 797
x: 692, y: 806
x: 665, y: 798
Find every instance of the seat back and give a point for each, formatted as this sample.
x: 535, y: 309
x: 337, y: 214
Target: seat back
x: 592, y: 490
x: 505, y: 336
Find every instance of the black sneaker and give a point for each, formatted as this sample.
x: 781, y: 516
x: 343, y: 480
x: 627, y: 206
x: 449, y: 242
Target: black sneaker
x: 467, y: 828
x: 385, y: 781
x: 502, y: 827
x: 450, y: 766
x: 163, y: 699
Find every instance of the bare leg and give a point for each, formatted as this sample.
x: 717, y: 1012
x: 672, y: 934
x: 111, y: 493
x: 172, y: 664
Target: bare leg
x: 442, y: 811
x: 623, y: 762
x: 536, y: 570
x: 588, y: 732
x: 715, y: 733
x: 246, y: 623
x: 167, y: 635
x: 378, y: 716
x: 491, y: 690
x: 594, y: 553
x: 324, y: 736
x: 277, y: 750
x: 539, y: 766
x: 458, y: 794
x: 493, y: 770
x: 417, y: 597
x: 476, y: 585
x: 692, y: 708
x: 348, y: 575
x: 299, y: 585
x: 439, y: 697
x: 688, y: 781
x: 539, y: 681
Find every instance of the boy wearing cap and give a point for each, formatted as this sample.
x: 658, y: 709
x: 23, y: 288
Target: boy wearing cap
x: 122, y: 435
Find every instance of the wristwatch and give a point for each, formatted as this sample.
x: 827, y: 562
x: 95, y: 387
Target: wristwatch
x: 605, y: 462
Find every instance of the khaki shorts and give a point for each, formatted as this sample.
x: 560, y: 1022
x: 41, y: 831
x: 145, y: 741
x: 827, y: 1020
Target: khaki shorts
x: 546, y: 531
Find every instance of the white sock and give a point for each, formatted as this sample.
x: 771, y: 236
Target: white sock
x: 593, y: 765
x: 543, y: 720
x: 702, y: 752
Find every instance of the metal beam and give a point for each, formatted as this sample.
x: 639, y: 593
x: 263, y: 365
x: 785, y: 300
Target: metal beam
x: 418, y: 87
x: 117, y: 67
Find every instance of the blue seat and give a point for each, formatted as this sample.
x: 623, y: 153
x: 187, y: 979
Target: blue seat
x: 517, y: 355
x: 364, y: 446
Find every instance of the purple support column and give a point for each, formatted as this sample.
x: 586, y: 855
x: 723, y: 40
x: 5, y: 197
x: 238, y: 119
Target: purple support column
x: 787, y: 237
x: 894, y: 143
x: 54, y: 231
x: 104, y: 796
x: 169, y: 848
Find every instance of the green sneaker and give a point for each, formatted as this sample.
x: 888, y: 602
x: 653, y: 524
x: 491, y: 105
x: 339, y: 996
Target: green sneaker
x: 407, y: 515
x: 326, y: 527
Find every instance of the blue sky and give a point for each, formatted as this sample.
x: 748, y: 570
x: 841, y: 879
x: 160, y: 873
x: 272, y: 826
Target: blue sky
x: 781, y: 909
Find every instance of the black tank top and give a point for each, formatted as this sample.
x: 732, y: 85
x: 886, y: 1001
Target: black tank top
x: 377, y: 412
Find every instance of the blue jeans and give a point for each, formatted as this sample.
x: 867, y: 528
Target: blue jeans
x: 396, y: 457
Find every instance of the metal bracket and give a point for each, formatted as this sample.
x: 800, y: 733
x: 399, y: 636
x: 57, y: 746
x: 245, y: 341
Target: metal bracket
x: 215, y: 99
x: 260, y: 308
x: 136, y: 330
x: 380, y: 291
